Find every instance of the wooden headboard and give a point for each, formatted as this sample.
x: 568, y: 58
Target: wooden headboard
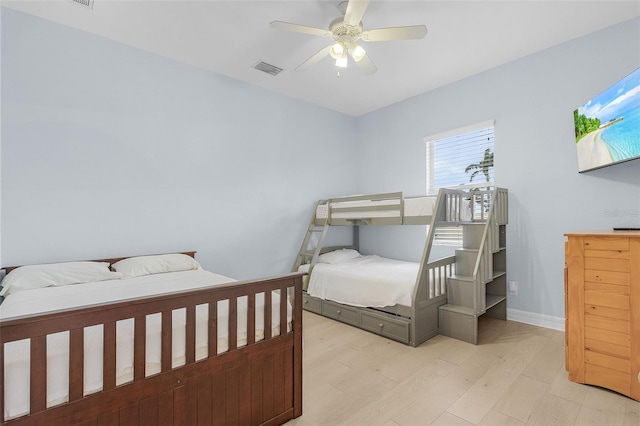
x: 110, y: 260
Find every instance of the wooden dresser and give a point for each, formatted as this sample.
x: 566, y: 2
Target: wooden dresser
x: 602, y: 309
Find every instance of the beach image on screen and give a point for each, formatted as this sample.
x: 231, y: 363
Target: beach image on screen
x: 608, y: 126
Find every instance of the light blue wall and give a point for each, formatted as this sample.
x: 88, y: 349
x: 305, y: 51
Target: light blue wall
x: 108, y: 150
x: 532, y: 101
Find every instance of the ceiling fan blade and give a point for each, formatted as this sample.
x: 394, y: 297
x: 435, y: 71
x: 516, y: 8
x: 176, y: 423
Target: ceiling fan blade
x: 412, y: 32
x: 300, y: 28
x: 366, y: 65
x: 355, y: 12
x: 314, y: 59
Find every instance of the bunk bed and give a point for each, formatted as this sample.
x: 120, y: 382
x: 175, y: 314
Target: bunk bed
x: 412, y: 323
x: 403, y: 301
x: 159, y: 341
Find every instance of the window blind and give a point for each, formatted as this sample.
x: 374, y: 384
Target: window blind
x: 459, y: 157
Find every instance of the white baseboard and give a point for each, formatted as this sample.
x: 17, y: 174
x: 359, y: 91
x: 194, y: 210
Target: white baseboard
x: 540, y: 320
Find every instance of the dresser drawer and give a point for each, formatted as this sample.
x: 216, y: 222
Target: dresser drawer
x: 340, y: 312
x: 608, y: 378
x: 392, y: 328
x: 610, y: 243
x: 311, y: 304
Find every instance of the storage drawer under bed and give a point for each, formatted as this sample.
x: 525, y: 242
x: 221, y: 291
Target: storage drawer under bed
x: 311, y: 304
x: 340, y: 312
x: 397, y: 329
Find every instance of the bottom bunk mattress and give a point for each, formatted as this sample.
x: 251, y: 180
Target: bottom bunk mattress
x: 364, y: 281
x: 52, y: 299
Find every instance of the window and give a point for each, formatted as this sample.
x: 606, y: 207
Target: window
x: 459, y: 157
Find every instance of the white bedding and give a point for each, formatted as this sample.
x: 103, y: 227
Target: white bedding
x: 364, y: 281
x: 419, y: 206
x: 59, y: 298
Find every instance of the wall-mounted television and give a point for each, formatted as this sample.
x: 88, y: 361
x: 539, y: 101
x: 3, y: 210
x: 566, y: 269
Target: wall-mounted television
x: 608, y: 126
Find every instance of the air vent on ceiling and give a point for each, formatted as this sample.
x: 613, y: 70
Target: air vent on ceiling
x: 86, y: 3
x: 268, y: 68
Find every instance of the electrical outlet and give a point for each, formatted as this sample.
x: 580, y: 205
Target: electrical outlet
x: 513, y: 288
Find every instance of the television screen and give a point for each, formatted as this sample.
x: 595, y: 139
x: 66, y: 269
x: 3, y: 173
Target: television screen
x: 608, y: 126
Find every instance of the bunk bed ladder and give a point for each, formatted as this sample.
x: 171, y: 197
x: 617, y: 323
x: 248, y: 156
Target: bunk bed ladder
x: 319, y: 228
x: 478, y: 286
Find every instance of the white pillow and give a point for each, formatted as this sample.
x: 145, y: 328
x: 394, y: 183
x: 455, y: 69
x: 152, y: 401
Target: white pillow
x: 147, y: 265
x: 338, y: 256
x: 56, y: 274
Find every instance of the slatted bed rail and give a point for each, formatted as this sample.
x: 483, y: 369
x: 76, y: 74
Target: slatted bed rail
x: 471, y: 203
x: 386, y: 208
x: 257, y: 383
x: 435, y: 276
x: 375, y: 209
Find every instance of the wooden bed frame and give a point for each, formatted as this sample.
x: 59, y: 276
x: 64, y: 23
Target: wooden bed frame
x: 260, y: 383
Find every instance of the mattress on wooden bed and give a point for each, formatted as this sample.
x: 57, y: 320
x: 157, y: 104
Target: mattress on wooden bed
x: 364, y: 281
x: 61, y: 298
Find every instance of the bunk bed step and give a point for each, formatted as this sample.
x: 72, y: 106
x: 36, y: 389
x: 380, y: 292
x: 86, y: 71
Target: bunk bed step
x: 466, y: 261
x: 472, y: 235
x: 459, y: 277
x: 461, y: 292
x: 459, y: 222
x: 461, y: 310
x: 458, y: 322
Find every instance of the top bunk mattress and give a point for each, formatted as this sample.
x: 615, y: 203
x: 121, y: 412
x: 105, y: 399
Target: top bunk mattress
x: 367, y: 209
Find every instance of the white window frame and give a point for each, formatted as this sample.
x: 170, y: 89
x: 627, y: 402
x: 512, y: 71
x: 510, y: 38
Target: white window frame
x: 450, y: 235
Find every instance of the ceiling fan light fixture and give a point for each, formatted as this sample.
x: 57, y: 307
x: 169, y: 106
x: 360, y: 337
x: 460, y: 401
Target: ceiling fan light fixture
x: 337, y: 50
x: 357, y: 52
x: 342, y: 61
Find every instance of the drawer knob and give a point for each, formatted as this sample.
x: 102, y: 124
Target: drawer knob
x: 306, y: 301
x: 380, y: 325
x: 338, y: 312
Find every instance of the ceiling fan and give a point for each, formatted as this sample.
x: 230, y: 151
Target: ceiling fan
x: 346, y: 31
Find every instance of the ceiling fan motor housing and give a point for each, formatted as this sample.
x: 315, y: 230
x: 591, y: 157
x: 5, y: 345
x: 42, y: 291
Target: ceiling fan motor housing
x: 344, y: 32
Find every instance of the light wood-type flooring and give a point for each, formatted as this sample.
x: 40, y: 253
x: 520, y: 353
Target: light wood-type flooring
x: 514, y: 376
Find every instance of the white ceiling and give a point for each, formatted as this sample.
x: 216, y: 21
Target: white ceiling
x: 230, y: 37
